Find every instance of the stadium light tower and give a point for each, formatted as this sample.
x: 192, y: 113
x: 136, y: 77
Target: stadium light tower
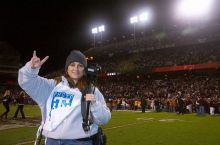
x: 94, y: 32
x: 101, y: 29
x: 194, y: 8
x: 143, y: 17
x: 134, y: 20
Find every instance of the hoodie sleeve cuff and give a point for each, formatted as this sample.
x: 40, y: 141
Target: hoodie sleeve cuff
x: 31, y: 70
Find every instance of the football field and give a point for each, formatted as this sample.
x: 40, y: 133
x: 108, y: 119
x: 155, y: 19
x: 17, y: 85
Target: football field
x: 127, y: 128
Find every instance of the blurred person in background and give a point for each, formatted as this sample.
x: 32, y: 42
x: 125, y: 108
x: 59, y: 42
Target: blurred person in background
x: 180, y: 103
x: 20, y: 105
x: 6, y: 99
x: 143, y: 104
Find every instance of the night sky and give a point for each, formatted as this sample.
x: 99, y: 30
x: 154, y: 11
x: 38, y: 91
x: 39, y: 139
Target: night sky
x: 54, y: 28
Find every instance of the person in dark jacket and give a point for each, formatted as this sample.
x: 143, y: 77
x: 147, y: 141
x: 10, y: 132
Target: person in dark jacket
x: 20, y: 103
x: 180, y: 103
x: 6, y: 99
x: 143, y: 104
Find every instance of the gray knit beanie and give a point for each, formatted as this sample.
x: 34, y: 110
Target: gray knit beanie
x: 76, y: 56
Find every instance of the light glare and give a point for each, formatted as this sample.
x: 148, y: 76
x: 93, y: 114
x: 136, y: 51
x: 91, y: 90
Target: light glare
x: 194, y: 8
x: 144, y: 16
x: 94, y: 30
x: 134, y: 19
x: 101, y: 28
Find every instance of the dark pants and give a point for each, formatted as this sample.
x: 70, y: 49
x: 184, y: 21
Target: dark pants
x: 6, y: 105
x: 181, y: 110
x: 19, y: 108
x: 143, y: 108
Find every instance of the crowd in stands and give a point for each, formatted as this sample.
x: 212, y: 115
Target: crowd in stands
x: 185, y: 47
x: 163, y: 94
x: 174, y: 56
x: 198, y: 93
x: 160, y: 39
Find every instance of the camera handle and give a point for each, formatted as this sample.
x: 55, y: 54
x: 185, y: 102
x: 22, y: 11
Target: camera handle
x: 85, y: 108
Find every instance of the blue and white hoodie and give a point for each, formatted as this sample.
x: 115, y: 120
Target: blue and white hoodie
x: 61, y: 105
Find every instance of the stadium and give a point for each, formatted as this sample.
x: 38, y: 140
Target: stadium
x: 157, y: 65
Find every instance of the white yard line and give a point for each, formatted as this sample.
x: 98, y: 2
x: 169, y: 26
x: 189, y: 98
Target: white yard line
x: 27, y: 142
x: 120, y: 126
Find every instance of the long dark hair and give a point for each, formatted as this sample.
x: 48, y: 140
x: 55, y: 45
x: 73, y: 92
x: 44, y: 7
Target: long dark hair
x: 81, y: 84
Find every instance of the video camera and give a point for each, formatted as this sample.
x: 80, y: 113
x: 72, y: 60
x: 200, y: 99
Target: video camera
x: 92, y: 72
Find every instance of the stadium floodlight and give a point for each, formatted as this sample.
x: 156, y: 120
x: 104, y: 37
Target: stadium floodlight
x: 133, y: 19
x: 144, y: 16
x: 101, y: 28
x: 94, y: 30
x: 194, y: 8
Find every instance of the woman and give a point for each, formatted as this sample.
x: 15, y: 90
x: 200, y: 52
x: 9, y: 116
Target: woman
x: 60, y: 101
x: 20, y: 105
x: 6, y: 102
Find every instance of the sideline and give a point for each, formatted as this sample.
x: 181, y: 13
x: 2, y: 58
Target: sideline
x: 141, y: 121
x: 120, y: 126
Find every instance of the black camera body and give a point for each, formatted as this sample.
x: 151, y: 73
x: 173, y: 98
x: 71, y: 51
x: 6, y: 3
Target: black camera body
x: 92, y: 72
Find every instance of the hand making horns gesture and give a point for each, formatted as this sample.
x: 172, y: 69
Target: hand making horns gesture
x: 36, y: 62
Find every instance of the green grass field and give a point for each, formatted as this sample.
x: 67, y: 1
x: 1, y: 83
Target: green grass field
x: 134, y: 128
